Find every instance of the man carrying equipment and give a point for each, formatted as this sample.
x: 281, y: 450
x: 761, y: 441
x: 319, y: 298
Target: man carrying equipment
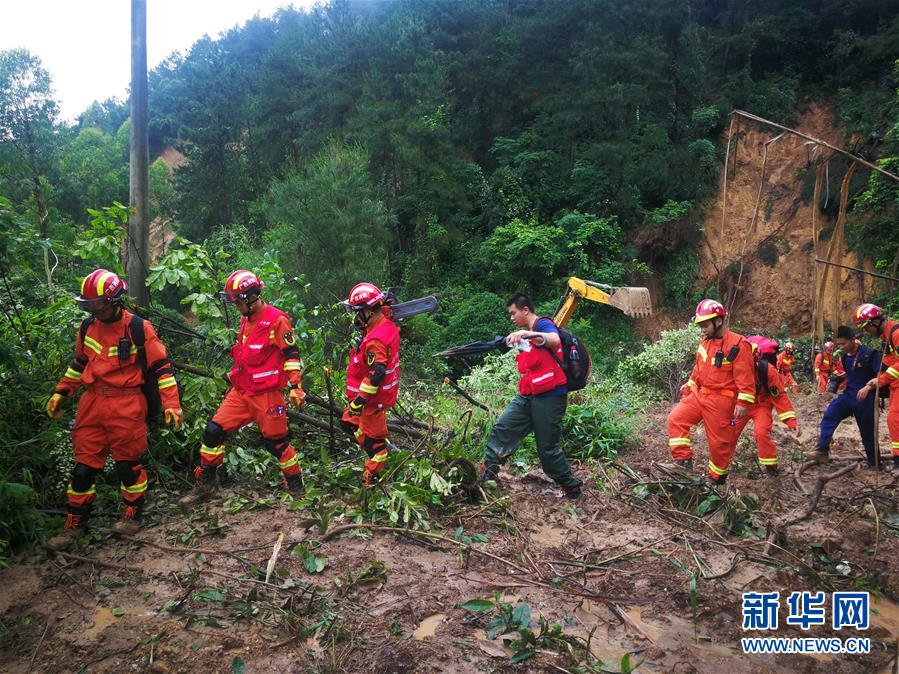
x: 372, y: 375
x: 116, y: 353
x: 860, y: 364
x: 720, y: 391
x: 870, y: 318
x: 266, y: 359
x: 770, y: 395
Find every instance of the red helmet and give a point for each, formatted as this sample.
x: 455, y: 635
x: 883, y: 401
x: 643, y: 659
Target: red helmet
x: 241, y: 284
x: 789, y: 347
x: 364, y: 296
x: 828, y: 347
x: 764, y: 346
x: 708, y: 309
x: 864, y: 313
x: 100, y: 288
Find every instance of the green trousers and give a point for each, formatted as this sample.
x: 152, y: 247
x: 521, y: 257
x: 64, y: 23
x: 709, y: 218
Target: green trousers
x: 543, y: 416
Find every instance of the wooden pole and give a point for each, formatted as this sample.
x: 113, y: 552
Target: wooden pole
x: 137, y: 253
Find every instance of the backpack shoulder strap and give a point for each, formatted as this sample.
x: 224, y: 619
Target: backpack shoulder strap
x: 85, y: 324
x: 139, y: 339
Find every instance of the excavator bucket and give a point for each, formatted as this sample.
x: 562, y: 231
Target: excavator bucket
x: 633, y: 302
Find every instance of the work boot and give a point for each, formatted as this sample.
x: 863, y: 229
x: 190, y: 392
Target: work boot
x: 572, y: 492
x: 490, y: 472
x: 203, y: 489
x: 686, y: 464
x: 129, y: 523
x: 772, y: 471
x: 294, y: 484
x: 818, y: 456
x: 74, y: 527
x: 715, y: 483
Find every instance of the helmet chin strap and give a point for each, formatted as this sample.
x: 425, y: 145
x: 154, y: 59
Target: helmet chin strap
x: 114, y: 316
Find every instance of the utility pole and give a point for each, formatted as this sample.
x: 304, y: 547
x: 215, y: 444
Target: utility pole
x: 137, y: 252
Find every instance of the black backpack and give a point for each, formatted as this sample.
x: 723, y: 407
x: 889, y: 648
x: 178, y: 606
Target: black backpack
x: 150, y: 387
x: 575, y: 361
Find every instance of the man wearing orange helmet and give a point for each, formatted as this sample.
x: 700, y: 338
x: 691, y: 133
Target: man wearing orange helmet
x: 785, y: 360
x: 824, y: 365
x: 870, y: 318
x: 116, y: 353
x: 720, y: 391
x: 372, y: 375
x: 266, y: 359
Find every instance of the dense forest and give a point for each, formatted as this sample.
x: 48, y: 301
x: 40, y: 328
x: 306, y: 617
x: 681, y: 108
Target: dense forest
x: 468, y: 149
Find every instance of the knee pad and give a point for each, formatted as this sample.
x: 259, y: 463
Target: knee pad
x: 275, y: 446
x: 128, y: 471
x: 213, y: 435
x: 83, y: 477
x: 373, y: 445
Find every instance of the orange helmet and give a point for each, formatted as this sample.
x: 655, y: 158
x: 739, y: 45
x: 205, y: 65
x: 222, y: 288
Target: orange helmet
x: 708, y: 309
x: 865, y: 313
x: 241, y: 284
x: 99, y: 289
x: 364, y: 296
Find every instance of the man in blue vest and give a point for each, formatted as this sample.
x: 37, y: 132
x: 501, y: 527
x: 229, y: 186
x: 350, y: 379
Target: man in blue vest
x: 860, y: 365
x: 541, y: 400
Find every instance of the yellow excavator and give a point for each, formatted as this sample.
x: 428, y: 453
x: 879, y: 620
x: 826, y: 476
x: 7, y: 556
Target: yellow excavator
x: 633, y: 301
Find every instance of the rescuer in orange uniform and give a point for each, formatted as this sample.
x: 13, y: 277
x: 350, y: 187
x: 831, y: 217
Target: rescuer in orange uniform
x: 870, y: 318
x: 720, y: 391
x: 372, y: 375
x: 785, y: 361
x: 266, y: 358
x: 770, y: 395
x: 112, y: 360
x: 824, y: 365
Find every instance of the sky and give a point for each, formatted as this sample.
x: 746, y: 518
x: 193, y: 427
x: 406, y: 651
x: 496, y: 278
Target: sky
x: 85, y: 45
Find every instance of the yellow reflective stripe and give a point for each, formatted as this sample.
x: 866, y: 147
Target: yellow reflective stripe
x: 212, y: 452
x: 768, y: 462
x: 896, y: 445
x: 71, y: 492
x: 93, y: 345
x: 702, y: 352
x: 114, y: 351
x: 138, y: 488
x: 367, y: 388
x: 787, y: 415
x: 358, y: 433
x: 678, y: 442
x: 715, y: 469
x: 292, y: 365
x: 691, y: 383
x: 292, y: 461
x: 893, y: 372
x: 73, y: 374
x: 747, y: 397
x: 167, y: 382
x: 101, y: 283
x: 271, y: 335
x: 380, y: 457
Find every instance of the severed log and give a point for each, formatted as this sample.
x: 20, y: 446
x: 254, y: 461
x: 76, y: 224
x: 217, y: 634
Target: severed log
x: 458, y: 389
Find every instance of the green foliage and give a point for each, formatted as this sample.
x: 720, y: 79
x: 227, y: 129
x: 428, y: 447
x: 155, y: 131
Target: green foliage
x: 100, y: 243
x: 664, y: 365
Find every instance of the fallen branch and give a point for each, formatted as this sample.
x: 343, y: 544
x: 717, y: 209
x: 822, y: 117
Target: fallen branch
x: 453, y: 385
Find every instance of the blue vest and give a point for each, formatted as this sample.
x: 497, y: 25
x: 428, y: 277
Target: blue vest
x: 860, y: 368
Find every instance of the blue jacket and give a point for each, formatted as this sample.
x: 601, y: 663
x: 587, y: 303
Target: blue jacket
x: 860, y: 368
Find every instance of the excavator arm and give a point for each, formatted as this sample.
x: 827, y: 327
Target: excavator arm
x: 632, y: 301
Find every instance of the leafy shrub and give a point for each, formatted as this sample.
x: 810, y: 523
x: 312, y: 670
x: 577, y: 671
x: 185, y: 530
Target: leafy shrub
x: 664, y: 365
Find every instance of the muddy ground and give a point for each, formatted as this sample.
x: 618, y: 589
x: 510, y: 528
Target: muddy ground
x: 613, y: 569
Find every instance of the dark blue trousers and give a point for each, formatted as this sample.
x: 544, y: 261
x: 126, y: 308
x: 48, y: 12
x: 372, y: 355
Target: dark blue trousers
x: 842, y: 407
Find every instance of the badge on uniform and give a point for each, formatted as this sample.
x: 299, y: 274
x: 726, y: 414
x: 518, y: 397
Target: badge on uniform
x: 276, y: 411
x: 774, y: 391
x: 289, y: 339
x: 370, y: 358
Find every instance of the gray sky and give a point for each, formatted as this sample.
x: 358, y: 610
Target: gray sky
x: 86, y: 44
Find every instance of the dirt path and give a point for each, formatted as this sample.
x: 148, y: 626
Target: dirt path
x: 387, y: 603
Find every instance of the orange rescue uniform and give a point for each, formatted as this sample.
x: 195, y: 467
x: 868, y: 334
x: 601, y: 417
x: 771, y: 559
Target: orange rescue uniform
x: 889, y: 377
x: 768, y: 398
x: 111, y: 416
x: 722, y: 378
x: 824, y: 365
x: 785, y: 367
